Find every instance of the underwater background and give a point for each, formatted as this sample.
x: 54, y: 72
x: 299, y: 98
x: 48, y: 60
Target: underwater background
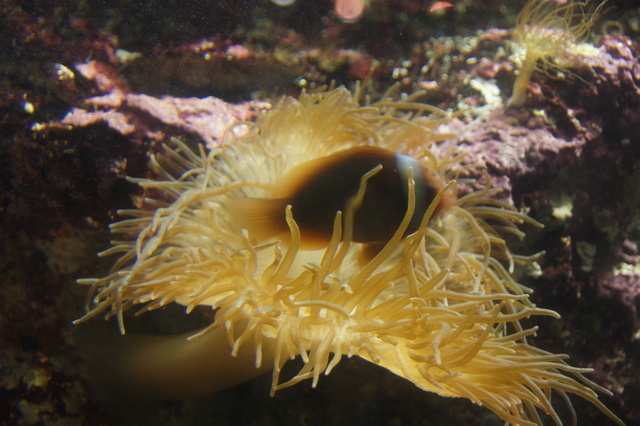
x: 89, y: 89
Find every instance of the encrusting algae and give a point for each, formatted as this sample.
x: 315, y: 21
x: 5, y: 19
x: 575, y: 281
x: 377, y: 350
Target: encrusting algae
x: 438, y: 307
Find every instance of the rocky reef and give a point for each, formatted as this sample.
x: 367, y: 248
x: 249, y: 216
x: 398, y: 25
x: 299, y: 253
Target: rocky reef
x: 89, y: 90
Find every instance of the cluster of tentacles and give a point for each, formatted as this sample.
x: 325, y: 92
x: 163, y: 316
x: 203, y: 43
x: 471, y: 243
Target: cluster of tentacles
x: 438, y: 307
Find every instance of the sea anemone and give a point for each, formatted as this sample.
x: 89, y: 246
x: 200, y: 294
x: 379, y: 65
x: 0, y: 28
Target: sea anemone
x: 438, y: 307
x: 547, y: 36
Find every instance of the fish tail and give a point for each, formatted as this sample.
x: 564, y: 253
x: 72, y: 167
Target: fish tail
x: 263, y: 218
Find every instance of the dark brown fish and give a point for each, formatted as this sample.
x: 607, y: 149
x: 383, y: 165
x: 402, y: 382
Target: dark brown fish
x: 318, y: 189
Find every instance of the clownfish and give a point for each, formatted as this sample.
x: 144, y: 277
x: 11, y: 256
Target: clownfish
x: 316, y: 190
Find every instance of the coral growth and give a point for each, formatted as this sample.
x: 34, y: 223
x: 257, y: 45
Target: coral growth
x: 546, y: 36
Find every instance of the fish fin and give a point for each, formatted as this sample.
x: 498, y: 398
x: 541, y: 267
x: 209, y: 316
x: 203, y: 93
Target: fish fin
x: 299, y: 175
x: 368, y: 252
x: 448, y: 198
x: 311, y: 241
x: 302, y: 173
x: 263, y: 218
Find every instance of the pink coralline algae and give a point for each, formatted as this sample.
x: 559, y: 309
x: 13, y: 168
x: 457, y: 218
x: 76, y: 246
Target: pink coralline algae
x: 539, y: 141
x: 513, y: 147
x: 141, y: 116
